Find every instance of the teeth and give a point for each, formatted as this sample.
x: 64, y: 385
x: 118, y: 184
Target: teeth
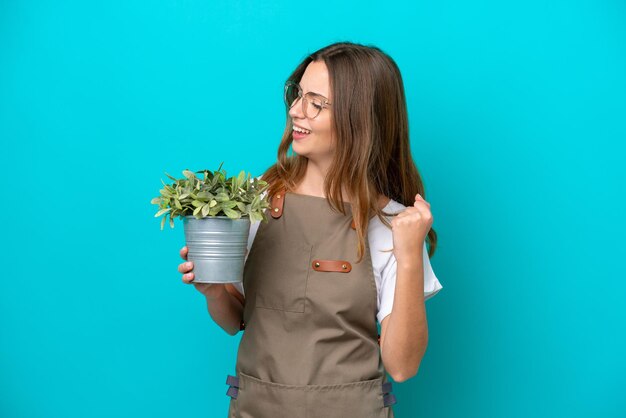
x: 304, y: 131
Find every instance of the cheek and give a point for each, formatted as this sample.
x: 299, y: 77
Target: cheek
x: 322, y: 126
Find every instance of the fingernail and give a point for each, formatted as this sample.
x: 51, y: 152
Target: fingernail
x: 188, y: 264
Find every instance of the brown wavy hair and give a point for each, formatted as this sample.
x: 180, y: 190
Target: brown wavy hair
x: 370, y: 123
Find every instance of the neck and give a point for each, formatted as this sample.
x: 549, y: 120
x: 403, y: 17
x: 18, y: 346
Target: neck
x: 313, y: 183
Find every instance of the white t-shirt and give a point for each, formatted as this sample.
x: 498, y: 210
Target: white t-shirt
x: 383, y: 263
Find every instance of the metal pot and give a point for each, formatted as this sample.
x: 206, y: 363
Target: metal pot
x: 217, y: 246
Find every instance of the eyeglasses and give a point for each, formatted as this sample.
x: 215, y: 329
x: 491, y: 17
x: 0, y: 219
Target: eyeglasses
x: 317, y: 102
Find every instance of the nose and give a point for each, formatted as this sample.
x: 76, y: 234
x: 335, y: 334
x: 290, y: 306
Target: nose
x: 296, y: 109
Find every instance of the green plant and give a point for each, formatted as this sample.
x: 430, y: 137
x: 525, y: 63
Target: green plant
x: 213, y: 195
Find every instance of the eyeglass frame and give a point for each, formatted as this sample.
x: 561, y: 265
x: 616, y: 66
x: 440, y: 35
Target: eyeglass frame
x: 325, y: 103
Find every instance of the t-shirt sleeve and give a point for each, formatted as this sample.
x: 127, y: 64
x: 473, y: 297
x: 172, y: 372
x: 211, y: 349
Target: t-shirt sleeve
x: 388, y: 284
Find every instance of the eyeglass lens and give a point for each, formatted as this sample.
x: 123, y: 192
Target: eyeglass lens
x: 312, y: 106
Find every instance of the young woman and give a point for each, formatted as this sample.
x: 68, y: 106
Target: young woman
x: 329, y: 264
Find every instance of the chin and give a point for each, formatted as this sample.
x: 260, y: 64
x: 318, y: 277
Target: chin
x: 302, y: 154
x: 298, y: 149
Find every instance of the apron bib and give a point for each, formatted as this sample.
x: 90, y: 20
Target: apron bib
x: 310, y: 347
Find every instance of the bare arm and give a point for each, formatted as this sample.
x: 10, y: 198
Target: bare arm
x: 404, y: 336
x: 404, y: 332
x: 226, y: 308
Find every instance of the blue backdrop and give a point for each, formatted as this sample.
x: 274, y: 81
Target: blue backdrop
x: 517, y: 116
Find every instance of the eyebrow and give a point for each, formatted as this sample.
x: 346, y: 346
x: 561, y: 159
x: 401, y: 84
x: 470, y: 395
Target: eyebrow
x: 312, y: 92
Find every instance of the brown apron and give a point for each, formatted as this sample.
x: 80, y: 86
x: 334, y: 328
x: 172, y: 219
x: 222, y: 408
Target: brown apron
x: 311, y: 346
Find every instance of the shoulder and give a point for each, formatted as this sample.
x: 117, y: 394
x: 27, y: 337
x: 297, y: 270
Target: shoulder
x: 392, y: 208
x: 380, y: 237
x: 380, y: 240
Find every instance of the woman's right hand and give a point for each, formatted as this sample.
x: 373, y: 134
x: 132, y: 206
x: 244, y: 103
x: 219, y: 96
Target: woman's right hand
x: 210, y: 290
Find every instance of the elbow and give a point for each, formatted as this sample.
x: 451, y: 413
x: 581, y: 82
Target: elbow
x: 404, y: 368
x: 240, y: 327
x: 404, y: 375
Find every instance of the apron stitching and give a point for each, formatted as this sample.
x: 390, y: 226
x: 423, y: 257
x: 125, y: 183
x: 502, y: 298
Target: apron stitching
x: 370, y: 382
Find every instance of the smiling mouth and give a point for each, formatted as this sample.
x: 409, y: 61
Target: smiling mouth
x: 300, y: 130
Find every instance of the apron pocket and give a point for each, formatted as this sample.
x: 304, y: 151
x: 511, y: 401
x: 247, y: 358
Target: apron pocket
x: 280, y: 278
x: 363, y: 399
x: 261, y: 399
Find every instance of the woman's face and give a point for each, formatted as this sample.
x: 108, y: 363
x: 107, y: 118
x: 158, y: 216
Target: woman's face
x: 318, y: 145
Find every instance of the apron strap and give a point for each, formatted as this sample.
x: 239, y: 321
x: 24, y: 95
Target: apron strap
x: 277, y: 203
x: 232, y: 380
x: 340, y: 266
x: 386, y: 387
x: 388, y: 398
x: 233, y: 390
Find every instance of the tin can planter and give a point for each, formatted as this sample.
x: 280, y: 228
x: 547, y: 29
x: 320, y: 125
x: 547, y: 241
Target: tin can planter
x: 217, y: 213
x: 217, y: 246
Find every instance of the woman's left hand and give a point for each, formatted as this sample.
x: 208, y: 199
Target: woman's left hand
x: 409, y: 229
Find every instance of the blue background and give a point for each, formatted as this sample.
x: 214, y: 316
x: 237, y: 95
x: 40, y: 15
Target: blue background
x: 517, y: 125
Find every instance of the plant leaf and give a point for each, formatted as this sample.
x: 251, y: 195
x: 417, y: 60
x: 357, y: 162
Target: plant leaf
x: 189, y: 174
x: 242, y: 178
x: 221, y: 197
x: 173, y: 178
x: 231, y: 213
x: 161, y: 212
